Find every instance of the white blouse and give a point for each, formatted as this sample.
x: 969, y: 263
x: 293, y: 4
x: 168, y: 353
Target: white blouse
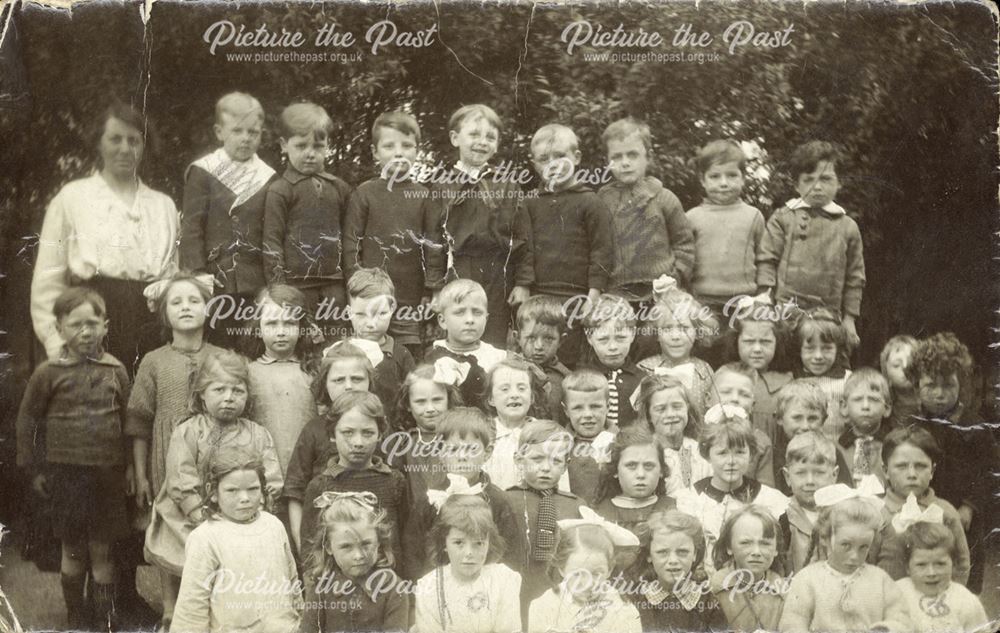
x: 89, y: 231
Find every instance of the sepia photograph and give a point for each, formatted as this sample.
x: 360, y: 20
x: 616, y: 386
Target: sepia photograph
x: 499, y: 316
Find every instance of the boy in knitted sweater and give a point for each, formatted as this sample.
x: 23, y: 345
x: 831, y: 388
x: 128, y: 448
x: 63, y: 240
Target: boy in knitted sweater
x: 727, y: 230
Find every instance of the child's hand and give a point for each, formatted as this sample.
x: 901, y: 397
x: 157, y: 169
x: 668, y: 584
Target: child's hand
x: 143, y: 493
x: 518, y: 295
x: 129, y: 481
x: 965, y: 514
x: 40, y: 485
x: 592, y: 296
x: 853, y: 340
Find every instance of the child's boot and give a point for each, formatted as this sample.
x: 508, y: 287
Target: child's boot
x: 72, y: 588
x: 105, y: 617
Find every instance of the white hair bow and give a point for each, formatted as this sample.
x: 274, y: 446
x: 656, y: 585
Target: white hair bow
x: 683, y: 372
x: 457, y: 485
x: 602, y: 447
x: 449, y: 371
x: 911, y: 513
x: 664, y: 284
x: 366, y: 499
x: 155, y: 290
x: 718, y: 413
x: 868, y: 489
x: 620, y: 536
x: 370, y: 349
x: 747, y: 302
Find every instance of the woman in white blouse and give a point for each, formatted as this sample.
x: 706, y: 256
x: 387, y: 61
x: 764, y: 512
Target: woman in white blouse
x: 112, y: 233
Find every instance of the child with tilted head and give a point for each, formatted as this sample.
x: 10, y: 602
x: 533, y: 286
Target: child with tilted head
x: 671, y: 584
x: 514, y: 398
x: 538, y: 501
x: 843, y: 592
x: 585, y: 404
x: 893, y: 361
x: 479, y: 223
x: 748, y: 584
x: 462, y: 313
x: 386, y: 220
x: 633, y: 485
x: 729, y: 446
x: 469, y: 590
x: 940, y: 367
x: 303, y: 216
x: 581, y: 598
x: 356, y: 422
x: 810, y: 464
x: 349, y: 581
x: 610, y: 328
x: 239, y: 543
x: 464, y: 442
x: 570, y: 240
x: 222, y: 214
x: 541, y: 326
x: 911, y: 455
x: 665, y: 407
x: 344, y: 368
x: 935, y: 602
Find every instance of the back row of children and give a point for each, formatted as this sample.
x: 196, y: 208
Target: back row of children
x: 249, y: 226
x: 323, y: 441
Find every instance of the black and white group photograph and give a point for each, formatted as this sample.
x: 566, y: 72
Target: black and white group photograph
x: 499, y: 316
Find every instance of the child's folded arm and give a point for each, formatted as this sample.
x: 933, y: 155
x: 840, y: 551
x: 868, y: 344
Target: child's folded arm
x: 355, y: 221
x: 183, y: 480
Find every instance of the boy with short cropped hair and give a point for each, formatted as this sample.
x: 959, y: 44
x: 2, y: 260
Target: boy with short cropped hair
x: 540, y: 327
x: 222, y: 214
x: 538, y: 503
x: 610, y: 328
x: 466, y: 438
x: 304, y: 214
x: 585, y: 403
x: 866, y: 407
x: 812, y: 250
x: 371, y: 297
x: 727, y: 230
x: 462, y: 314
x: 651, y: 236
x: 810, y: 464
x: 386, y: 220
x: 479, y: 220
x: 570, y: 230
x: 802, y: 407
x: 69, y: 438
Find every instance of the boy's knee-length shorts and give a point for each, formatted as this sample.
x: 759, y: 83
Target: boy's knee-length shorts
x: 88, y: 502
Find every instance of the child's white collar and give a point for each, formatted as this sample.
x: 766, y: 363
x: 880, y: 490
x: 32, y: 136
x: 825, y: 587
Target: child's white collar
x: 831, y: 207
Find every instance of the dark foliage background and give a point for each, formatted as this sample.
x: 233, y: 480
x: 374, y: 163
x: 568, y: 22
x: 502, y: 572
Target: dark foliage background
x: 909, y: 92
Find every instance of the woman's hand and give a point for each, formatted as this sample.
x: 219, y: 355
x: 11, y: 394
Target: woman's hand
x: 965, y: 514
x: 143, y: 493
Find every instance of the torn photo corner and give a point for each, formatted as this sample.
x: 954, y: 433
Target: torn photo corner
x: 787, y: 207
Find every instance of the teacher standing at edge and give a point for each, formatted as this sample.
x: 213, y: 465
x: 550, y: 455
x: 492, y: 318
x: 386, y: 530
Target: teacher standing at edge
x: 110, y: 232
